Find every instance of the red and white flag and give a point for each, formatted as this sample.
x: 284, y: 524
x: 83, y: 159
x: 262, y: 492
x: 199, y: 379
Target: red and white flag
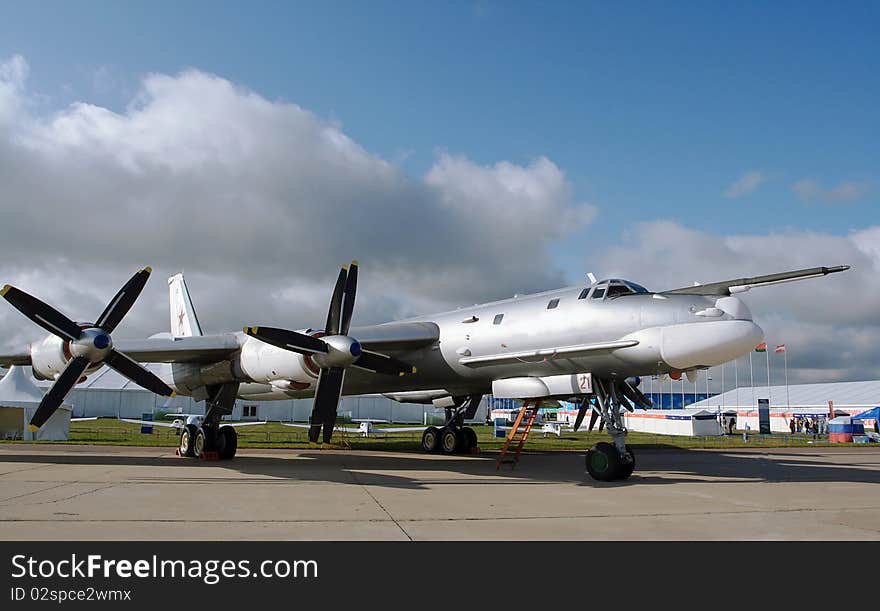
x: 780, y: 349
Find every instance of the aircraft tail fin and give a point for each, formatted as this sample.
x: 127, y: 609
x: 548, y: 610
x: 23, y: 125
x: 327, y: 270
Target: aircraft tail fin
x: 184, y: 322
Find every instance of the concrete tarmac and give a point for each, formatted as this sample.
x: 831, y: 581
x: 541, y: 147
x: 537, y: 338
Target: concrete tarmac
x: 72, y: 492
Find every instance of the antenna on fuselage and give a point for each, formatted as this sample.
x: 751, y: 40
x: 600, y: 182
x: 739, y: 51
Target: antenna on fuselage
x: 592, y: 277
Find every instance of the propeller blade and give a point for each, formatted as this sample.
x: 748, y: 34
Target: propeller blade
x: 348, y: 300
x: 381, y: 363
x: 122, y: 302
x: 582, y: 411
x: 137, y: 373
x: 55, y: 397
x: 333, y: 316
x: 41, y: 313
x: 326, y: 402
x: 288, y: 340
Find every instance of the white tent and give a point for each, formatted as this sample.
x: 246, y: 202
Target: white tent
x: 19, y: 399
x: 687, y: 422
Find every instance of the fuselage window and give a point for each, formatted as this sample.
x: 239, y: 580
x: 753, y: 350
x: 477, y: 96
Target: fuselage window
x: 599, y: 293
x: 498, y: 319
x: 553, y: 303
x: 584, y: 293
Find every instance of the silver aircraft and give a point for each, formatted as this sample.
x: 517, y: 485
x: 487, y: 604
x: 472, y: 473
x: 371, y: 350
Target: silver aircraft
x: 584, y: 343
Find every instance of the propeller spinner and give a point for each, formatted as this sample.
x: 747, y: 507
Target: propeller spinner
x: 89, y: 346
x: 333, y: 352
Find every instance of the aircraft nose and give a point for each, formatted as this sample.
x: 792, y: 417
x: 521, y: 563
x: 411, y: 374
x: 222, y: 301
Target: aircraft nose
x: 708, y: 344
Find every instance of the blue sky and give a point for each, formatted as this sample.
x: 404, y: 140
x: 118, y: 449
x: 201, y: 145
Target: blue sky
x: 652, y: 109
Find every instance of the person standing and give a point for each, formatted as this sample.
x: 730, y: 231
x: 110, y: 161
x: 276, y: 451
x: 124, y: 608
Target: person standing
x: 746, y: 433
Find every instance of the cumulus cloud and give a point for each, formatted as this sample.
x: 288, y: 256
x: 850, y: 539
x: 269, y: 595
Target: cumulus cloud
x: 830, y: 325
x: 258, y: 202
x: 809, y: 190
x: 746, y: 183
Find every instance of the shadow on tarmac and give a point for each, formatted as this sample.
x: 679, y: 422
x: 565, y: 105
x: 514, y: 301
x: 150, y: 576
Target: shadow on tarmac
x: 418, y: 471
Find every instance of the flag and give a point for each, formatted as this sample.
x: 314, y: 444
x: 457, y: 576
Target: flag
x: 780, y: 349
x: 762, y: 347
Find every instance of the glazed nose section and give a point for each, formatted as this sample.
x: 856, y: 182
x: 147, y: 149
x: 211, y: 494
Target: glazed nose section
x: 708, y: 344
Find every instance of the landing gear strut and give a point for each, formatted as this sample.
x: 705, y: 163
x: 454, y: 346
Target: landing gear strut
x: 210, y: 437
x: 613, y: 461
x: 453, y: 437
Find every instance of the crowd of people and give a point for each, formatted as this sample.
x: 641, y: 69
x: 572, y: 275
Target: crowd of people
x: 809, y: 426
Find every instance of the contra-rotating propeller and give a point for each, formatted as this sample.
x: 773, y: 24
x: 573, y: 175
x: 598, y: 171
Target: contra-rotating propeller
x: 88, y: 345
x: 333, y: 352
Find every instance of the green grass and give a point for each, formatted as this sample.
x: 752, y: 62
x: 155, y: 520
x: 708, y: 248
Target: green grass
x: 275, y: 435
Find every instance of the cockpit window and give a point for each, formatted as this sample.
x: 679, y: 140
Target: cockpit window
x: 498, y: 319
x: 584, y: 293
x: 614, y: 287
x: 615, y: 290
x: 553, y: 303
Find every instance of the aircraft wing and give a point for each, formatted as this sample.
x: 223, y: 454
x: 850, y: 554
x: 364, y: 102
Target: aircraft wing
x: 16, y: 358
x: 170, y: 425
x: 400, y: 429
x: 565, y: 352
x: 242, y: 423
x: 83, y: 419
x: 389, y: 337
x: 394, y: 336
x: 740, y: 285
x: 306, y: 426
x: 195, y: 349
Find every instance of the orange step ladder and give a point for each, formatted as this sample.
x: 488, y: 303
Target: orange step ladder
x: 513, y: 445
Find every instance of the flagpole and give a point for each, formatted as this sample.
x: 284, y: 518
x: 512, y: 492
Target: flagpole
x: 767, y: 352
x: 785, y: 360
x: 752, y: 378
x: 736, y: 379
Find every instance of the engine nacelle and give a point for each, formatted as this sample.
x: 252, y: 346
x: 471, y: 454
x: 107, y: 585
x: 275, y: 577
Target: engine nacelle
x: 50, y: 356
x: 262, y: 362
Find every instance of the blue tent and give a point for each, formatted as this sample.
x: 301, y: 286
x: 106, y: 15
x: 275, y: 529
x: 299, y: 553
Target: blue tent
x: 871, y: 414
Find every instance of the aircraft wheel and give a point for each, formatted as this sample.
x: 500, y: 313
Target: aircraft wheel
x: 201, y: 443
x: 451, y: 440
x: 627, y: 466
x: 228, y: 442
x: 431, y: 439
x: 187, y: 437
x: 603, y: 462
x: 470, y: 439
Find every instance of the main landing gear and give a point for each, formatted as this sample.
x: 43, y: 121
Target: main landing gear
x: 453, y: 437
x: 613, y: 461
x: 210, y: 440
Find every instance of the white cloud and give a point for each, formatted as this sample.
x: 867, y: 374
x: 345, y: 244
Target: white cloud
x: 746, y: 184
x: 830, y: 325
x: 809, y: 190
x: 259, y: 202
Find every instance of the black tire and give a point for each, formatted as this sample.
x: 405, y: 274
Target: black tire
x: 228, y: 442
x: 451, y: 440
x: 470, y: 439
x: 187, y: 437
x: 627, y: 467
x: 431, y: 439
x: 200, y: 444
x: 603, y: 462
